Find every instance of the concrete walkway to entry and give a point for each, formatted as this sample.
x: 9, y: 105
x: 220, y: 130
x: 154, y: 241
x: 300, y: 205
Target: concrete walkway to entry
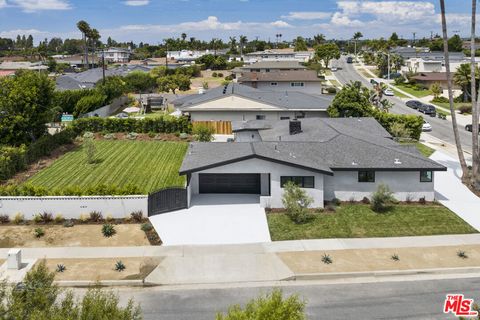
x: 215, y: 219
x: 453, y: 194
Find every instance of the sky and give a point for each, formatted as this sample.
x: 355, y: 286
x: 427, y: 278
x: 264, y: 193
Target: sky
x: 151, y: 21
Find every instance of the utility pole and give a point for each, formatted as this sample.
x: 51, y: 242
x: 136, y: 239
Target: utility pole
x: 166, y: 57
x: 103, y: 64
x: 413, y: 45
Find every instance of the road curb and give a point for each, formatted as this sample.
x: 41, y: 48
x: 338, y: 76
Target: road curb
x: 382, y: 273
x: 102, y: 283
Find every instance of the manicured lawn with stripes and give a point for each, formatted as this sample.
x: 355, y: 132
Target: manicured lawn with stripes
x: 149, y: 165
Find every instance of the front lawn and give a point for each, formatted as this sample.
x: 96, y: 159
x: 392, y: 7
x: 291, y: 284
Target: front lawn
x: 148, y: 165
x: 359, y: 221
x: 414, y: 91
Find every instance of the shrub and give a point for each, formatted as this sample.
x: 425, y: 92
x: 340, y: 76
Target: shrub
x: 4, y: 219
x: 395, y: 257
x: 84, y: 218
x: 229, y: 78
x: 46, y: 217
x: 68, y: 223
x: 296, y: 202
x: 440, y: 100
x: 19, y: 218
x: 99, y: 190
x: 214, y: 74
x: 203, y: 133
x: 422, y: 200
x: 220, y: 75
x: 108, y: 230
x: 365, y: 200
x: 327, y: 259
x: 382, y: 199
x: 37, y: 218
x: 120, y: 266
x: 90, y: 103
x: 60, y: 268
x: 145, y: 227
x: 39, y: 232
x: 331, y: 90
x: 109, y: 136
x: 96, y: 216
x: 465, y: 109
x: 132, y: 136
x: 90, y: 150
x: 269, y: 306
x: 137, y: 216
x: 109, y: 217
x: 398, y: 130
x: 58, y: 218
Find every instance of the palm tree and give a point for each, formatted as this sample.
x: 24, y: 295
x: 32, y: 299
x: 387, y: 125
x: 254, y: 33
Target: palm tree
x: 475, y: 111
x: 233, y: 45
x: 318, y: 39
x: 458, y: 144
x: 94, y: 35
x: 84, y: 28
x: 462, y: 78
x: 243, y: 41
x: 357, y: 35
x: 184, y: 36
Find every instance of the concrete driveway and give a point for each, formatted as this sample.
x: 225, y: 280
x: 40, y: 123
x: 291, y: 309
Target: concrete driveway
x: 452, y: 193
x: 215, y: 219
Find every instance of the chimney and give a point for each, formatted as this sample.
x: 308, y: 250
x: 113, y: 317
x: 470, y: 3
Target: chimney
x: 295, y: 126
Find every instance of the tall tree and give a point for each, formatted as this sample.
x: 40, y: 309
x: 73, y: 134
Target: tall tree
x: 84, y: 28
x: 318, y: 39
x: 184, y: 36
x: 326, y: 52
x: 356, y: 36
x: 475, y: 112
x: 94, y: 35
x: 456, y: 134
x: 243, y: 41
x: 233, y: 45
x: 300, y: 44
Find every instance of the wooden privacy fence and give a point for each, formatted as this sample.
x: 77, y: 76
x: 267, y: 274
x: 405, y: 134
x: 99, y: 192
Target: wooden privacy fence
x: 220, y: 127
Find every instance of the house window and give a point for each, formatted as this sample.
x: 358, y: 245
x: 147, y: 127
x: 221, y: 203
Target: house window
x: 366, y: 176
x: 260, y: 117
x: 284, y: 118
x: 273, y: 83
x: 426, y: 176
x: 267, y: 70
x: 297, y: 84
x: 302, y: 182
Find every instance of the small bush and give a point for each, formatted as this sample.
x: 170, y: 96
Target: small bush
x: 336, y: 202
x: 46, y: 217
x: 145, y: 227
x: 132, y: 136
x: 109, y: 136
x: 331, y: 90
x: 68, y: 223
x: 229, y: 78
x: 38, y: 232
x: 365, y: 200
x: 19, y: 218
x: 60, y: 268
x: 382, y: 199
x: 395, y: 257
x: 58, y: 218
x: 440, y: 100
x: 137, y: 216
x: 462, y: 254
x: 84, y: 218
x: 4, y: 219
x: 465, y: 109
x: 327, y: 259
x: 214, y: 74
x: 296, y: 202
x: 37, y: 218
x: 109, y: 217
x: 422, y: 200
x: 203, y: 133
x: 220, y: 75
x: 96, y: 216
x: 120, y: 266
x: 108, y: 230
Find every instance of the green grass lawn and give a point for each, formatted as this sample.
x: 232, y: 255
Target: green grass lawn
x: 359, y: 221
x: 426, y: 151
x: 457, y: 105
x: 398, y: 94
x: 414, y: 92
x: 149, y: 165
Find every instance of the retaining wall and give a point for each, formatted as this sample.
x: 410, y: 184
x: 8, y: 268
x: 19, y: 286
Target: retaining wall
x: 73, y: 207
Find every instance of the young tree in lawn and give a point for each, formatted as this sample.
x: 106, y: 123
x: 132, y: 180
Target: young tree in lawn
x: 436, y: 90
x: 296, y: 203
x: 456, y: 134
x: 326, y: 52
x: 475, y: 108
x: 173, y: 83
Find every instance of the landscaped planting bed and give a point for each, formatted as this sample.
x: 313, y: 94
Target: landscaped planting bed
x: 358, y: 221
x: 147, y: 165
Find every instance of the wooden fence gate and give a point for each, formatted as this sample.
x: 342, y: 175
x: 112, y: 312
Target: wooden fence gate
x: 220, y: 127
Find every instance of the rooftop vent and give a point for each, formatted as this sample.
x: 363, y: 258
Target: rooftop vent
x: 295, y: 126
x: 397, y: 161
x: 354, y: 163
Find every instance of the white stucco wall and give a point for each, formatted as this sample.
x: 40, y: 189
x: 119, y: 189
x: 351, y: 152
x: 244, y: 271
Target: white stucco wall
x: 344, y: 185
x: 276, y: 170
x: 73, y: 207
x: 250, y: 115
x: 309, y: 87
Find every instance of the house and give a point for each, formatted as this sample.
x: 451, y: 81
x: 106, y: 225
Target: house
x: 268, y: 66
x: 236, y: 102
x: 343, y: 158
x: 115, y: 55
x: 279, y: 55
x: 77, y: 60
x: 283, y: 80
x: 21, y: 65
x: 426, y: 79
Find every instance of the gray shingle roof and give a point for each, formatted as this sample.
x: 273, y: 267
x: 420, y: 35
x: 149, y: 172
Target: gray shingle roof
x: 325, y: 145
x: 280, y: 75
x: 289, y: 100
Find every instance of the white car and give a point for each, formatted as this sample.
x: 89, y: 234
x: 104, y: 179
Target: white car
x: 388, y: 92
x: 426, y: 126
x: 333, y: 69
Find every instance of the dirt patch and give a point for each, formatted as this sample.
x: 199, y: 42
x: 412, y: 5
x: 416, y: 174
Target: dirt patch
x: 40, y: 164
x: 103, y: 269
x: 381, y: 259
x: 76, y: 236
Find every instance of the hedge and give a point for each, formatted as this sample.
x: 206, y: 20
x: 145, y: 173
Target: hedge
x: 27, y: 190
x: 16, y: 159
x: 164, y: 124
x: 413, y: 123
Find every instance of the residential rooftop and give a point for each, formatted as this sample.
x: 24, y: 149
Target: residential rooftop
x: 280, y: 76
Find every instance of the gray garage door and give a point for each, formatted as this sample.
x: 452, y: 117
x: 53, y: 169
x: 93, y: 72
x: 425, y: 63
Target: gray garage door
x: 229, y: 183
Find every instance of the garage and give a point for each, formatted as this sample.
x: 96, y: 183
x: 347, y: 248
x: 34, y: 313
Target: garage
x: 229, y: 183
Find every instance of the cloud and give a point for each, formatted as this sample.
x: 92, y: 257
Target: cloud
x: 12, y: 34
x: 39, y: 5
x: 136, y: 3
x: 3, y: 3
x: 340, y: 19
x: 307, y: 15
x: 388, y: 10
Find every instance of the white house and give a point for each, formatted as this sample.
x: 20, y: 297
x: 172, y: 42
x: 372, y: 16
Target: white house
x: 306, y: 81
x: 116, y: 55
x: 279, y: 55
x: 345, y: 158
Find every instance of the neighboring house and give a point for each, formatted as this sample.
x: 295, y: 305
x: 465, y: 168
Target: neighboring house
x: 192, y: 55
x: 76, y: 61
x: 279, y: 55
x: 426, y: 79
x: 343, y: 158
x: 115, y: 55
x: 22, y: 65
x: 268, y: 66
x: 297, y: 80
x: 418, y: 65
x: 236, y: 102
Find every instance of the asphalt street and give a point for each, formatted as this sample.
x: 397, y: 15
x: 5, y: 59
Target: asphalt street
x: 418, y: 300
x: 441, y: 129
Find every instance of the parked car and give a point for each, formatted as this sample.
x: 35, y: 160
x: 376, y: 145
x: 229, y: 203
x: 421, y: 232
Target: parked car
x: 428, y: 109
x: 426, y: 126
x: 393, y: 75
x: 414, y: 104
x: 333, y: 69
x: 373, y: 82
x: 469, y: 128
x: 388, y: 92
x: 349, y: 60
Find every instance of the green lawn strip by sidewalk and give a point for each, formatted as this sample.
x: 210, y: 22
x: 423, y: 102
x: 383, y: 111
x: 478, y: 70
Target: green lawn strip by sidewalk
x: 413, y: 92
x: 359, y: 221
